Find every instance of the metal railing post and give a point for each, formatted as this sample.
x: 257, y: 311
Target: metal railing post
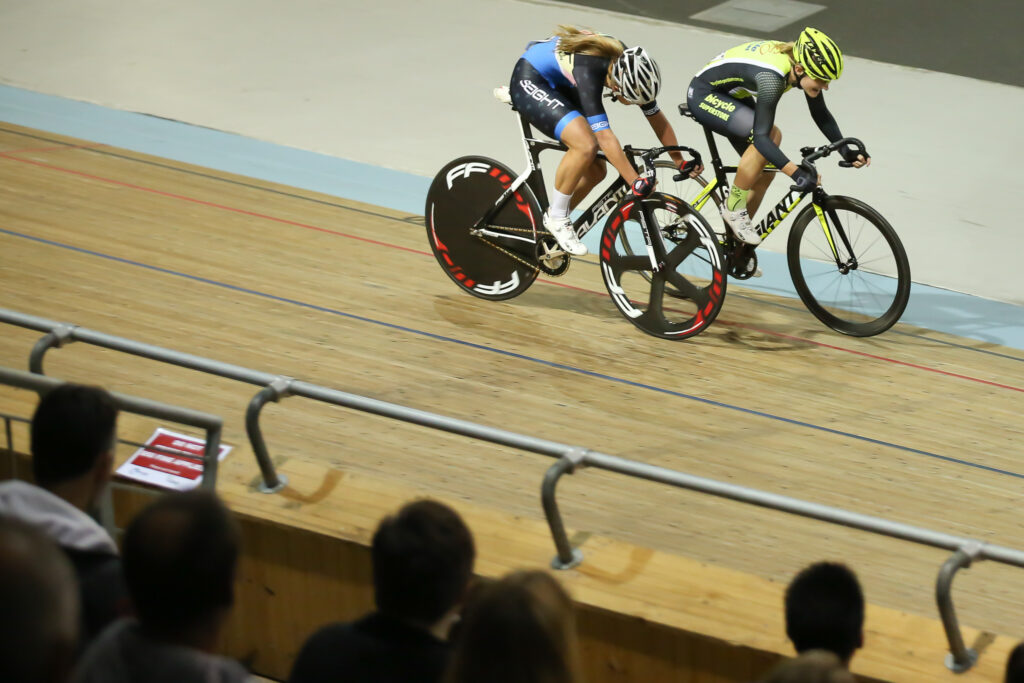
x: 960, y: 658
x: 275, y: 391
x: 567, y: 557
x: 58, y: 337
x: 211, y: 458
x: 10, y: 447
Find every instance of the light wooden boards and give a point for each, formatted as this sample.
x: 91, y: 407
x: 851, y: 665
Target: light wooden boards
x: 347, y: 296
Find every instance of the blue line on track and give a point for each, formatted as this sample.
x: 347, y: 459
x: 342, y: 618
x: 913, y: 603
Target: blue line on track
x: 511, y: 354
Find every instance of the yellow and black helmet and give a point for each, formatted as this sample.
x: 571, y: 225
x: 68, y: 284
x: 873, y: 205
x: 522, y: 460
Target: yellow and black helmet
x: 818, y: 55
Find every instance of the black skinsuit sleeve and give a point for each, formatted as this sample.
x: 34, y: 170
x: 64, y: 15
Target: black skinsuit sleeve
x: 589, y: 72
x: 823, y: 117
x: 770, y: 87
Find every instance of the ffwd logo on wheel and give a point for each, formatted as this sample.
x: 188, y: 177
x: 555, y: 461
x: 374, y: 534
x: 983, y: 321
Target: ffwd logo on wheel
x: 464, y: 170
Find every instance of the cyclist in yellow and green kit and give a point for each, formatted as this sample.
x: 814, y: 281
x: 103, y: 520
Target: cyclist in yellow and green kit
x: 736, y: 94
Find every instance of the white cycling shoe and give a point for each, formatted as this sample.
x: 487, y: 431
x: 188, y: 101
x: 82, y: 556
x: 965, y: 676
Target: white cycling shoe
x: 563, y: 232
x: 739, y: 222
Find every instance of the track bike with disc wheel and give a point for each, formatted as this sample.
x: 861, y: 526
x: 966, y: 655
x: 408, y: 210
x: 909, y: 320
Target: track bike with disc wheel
x: 846, y: 261
x: 485, y: 227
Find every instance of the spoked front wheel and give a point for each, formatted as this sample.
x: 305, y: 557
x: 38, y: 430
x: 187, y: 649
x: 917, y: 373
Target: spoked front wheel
x: 849, y: 267
x: 686, y: 189
x: 673, y: 299
x: 495, y: 260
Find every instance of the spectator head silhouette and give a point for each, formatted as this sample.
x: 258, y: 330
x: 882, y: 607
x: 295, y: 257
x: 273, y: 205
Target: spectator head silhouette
x: 519, y: 629
x: 422, y: 562
x: 73, y: 434
x: 38, y: 606
x: 1015, y: 665
x: 180, y: 555
x: 825, y: 610
x: 813, y: 666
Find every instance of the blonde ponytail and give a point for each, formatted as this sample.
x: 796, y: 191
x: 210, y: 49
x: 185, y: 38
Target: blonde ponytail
x: 578, y: 41
x: 787, y: 49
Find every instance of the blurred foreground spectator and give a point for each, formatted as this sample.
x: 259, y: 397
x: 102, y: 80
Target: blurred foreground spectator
x: 825, y: 610
x: 422, y: 565
x: 73, y: 437
x: 180, y: 557
x: 38, y: 607
x: 813, y: 666
x: 519, y: 629
x: 1015, y: 665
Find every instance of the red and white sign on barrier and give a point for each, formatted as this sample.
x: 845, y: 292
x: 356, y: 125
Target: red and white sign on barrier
x: 156, y: 463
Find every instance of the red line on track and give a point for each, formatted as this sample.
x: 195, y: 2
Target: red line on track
x: 427, y: 253
x: 877, y: 357
x: 210, y: 204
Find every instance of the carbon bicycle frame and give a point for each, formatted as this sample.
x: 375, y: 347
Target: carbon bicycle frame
x: 779, y: 212
x: 533, y: 177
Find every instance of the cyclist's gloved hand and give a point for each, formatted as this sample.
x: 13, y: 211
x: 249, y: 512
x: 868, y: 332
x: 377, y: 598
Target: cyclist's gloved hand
x: 803, y: 181
x: 851, y: 155
x: 690, y: 168
x: 642, y: 187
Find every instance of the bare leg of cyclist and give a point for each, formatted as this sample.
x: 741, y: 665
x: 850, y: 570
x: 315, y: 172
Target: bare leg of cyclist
x: 582, y: 145
x: 757, y: 192
x: 737, y: 209
x: 582, y: 151
x: 594, y: 174
x: 752, y: 182
x: 760, y: 185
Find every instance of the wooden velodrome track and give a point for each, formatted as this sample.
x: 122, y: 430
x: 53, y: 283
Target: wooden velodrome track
x: 915, y: 425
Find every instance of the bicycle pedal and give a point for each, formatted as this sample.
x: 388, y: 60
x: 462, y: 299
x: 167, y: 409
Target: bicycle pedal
x: 743, y: 264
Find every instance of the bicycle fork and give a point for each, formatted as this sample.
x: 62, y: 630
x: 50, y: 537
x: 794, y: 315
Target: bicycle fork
x: 653, y: 241
x: 844, y: 266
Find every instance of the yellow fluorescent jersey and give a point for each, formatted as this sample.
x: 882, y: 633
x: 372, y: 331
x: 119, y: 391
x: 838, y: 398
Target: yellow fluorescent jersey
x: 735, y: 70
x: 754, y: 76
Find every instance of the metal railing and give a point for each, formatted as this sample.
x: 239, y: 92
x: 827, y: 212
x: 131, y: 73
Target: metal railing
x: 58, y: 334
x: 966, y: 550
x: 570, y: 459
x: 211, y: 424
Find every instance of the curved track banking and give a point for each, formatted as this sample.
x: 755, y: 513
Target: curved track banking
x: 12, y: 156
x: 560, y: 366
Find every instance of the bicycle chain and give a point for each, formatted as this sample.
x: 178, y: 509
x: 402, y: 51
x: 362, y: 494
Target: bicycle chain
x: 516, y: 257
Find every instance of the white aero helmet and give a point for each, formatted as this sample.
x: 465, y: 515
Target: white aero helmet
x: 637, y: 75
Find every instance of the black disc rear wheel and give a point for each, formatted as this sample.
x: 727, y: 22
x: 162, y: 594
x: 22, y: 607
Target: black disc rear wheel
x: 499, y: 262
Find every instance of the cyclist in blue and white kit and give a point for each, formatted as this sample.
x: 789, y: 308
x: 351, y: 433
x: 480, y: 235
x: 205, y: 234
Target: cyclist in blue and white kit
x: 557, y: 84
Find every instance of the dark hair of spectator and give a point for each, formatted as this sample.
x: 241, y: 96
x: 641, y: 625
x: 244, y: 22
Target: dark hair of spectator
x: 813, y: 666
x: 38, y: 606
x: 179, y: 558
x: 72, y: 427
x: 422, y: 561
x: 1015, y: 665
x: 519, y: 629
x: 825, y: 610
